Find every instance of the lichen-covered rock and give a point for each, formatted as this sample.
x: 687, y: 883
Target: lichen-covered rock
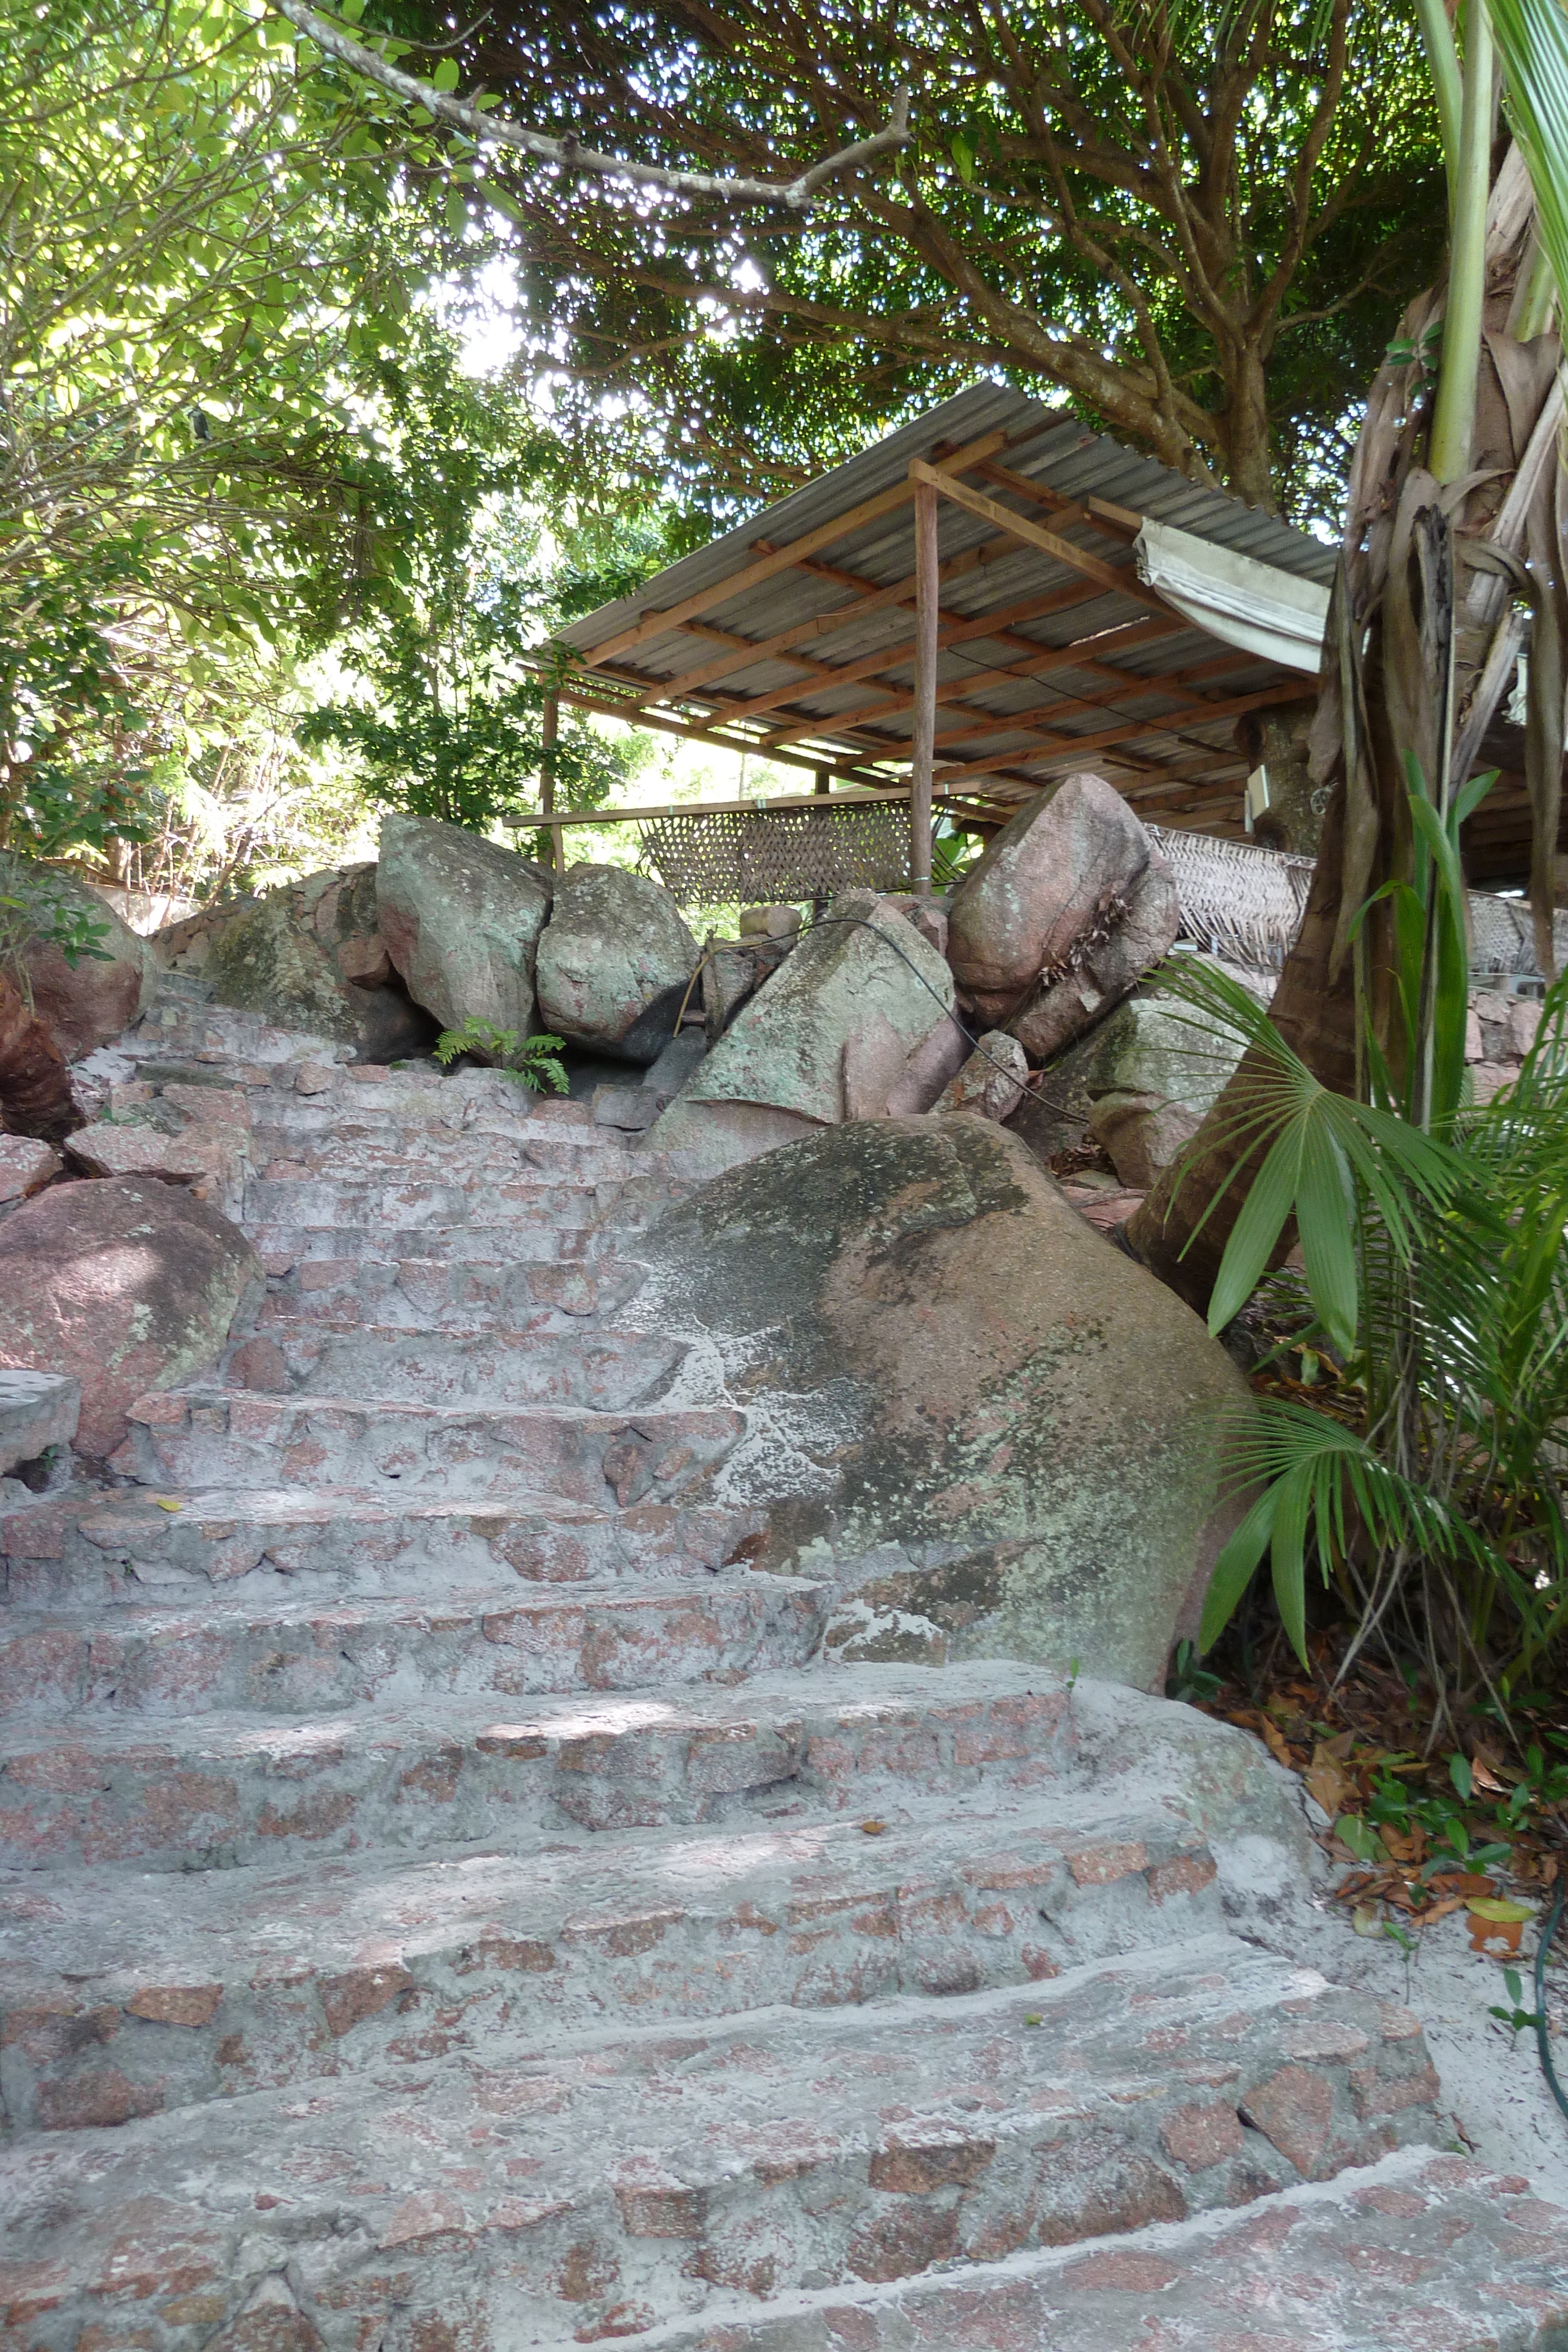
x: 461, y: 919
x: 309, y: 956
x: 1056, y: 873
x: 26, y: 1165
x: 991, y: 1081
x: 128, y: 1284
x: 208, y: 1155
x: 831, y: 1037
x: 1156, y: 1070
x: 615, y: 964
x: 85, y: 1004
x: 992, y: 1428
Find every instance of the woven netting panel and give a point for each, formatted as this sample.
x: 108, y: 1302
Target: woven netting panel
x: 713, y: 860
x: 1237, y: 901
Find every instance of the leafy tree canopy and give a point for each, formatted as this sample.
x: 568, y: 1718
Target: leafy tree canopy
x: 1198, y: 221
x: 229, y: 427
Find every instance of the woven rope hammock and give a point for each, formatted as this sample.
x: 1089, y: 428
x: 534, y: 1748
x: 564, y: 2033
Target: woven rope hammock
x: 716, y: 859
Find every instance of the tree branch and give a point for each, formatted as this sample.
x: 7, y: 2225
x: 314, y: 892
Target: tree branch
x: 570, y: 154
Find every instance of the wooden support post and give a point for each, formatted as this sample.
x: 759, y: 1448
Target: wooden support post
x: 549, y: 725
x: 927, y: 583
x: 822, y: 785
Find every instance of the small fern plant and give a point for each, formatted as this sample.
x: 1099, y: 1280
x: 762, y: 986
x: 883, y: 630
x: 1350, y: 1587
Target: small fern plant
x: 533, y: 1062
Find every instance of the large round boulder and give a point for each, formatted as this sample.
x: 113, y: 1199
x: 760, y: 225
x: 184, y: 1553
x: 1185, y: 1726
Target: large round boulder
x: 992, y: 1430
x: 84, y: 1002
x: 461, y: 919
x: 309, y: 956
x: 1157, y: 1070
x: 1132, y: 938
x: 129, y: 1284
x: 615, y: 964
x: 36, y: 1097
x: 1060, y: 870
x: 857, y: 1022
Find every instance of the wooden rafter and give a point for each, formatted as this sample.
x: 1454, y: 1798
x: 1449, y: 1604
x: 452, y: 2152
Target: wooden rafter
x: 1175, y: 683
x: 1035, y: 535
x: 766, y: 567
x: 1117, y: 522
x: 1071, y: 746
x: 747, y: 651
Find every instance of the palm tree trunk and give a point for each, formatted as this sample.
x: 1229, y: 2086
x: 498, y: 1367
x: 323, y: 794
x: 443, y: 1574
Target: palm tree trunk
x: 1418, y: 654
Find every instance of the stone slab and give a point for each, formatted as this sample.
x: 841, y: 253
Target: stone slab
x: 38, y: 1410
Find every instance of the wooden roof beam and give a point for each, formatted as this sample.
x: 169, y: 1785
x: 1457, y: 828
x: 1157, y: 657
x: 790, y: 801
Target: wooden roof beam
x: 768, y: 567
x: 1071, y: 746
x: 1174, y: 684
x: 899, y: 656
x: 1117, y: 522
x: 1035, y: 535
x: 850, y: 770
x: 748, y: 651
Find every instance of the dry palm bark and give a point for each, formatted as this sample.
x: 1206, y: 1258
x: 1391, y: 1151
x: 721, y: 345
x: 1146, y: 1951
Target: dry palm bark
x: 1428, y: 616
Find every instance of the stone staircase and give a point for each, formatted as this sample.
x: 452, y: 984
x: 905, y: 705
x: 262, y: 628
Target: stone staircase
x: 452, y: 1906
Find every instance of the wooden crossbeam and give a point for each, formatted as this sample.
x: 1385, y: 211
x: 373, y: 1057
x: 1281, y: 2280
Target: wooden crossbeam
x: 1035, y: 535
x: 1175, y: 683
x: 766, y: 567
x: 748, y: 651
x: 1071, y: 746
x: 853, y: 796
x: 1117, y: 522
x: 997, y: 627
x: 605, y: 705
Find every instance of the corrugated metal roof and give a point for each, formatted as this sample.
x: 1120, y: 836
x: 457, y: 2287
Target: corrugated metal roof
x: 1012, y: 702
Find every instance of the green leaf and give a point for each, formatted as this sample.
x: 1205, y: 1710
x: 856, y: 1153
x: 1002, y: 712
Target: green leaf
x: 964, y: 157
x: 1459, y: 1774
x: 1290, y: 1569
x: 446, y: 76
x: 1325, y: 1221
x: 1234, y: 1567
x: 1256, y: 1231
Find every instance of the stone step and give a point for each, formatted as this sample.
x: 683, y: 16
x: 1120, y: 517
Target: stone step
x: 224, y: 1791
x: 316, y: 1131
x: 425, y: 1294
x: 610, y: 1372
x: 386, y: 1963
x: 232, y: 1437
x: 1422, y: 2250
x: 585, y: 2193
x: 491, y: 1201
x: 79, y: 1551
x: 216, y: 1034
x: 311, y: 1658
x: 485, y: 1240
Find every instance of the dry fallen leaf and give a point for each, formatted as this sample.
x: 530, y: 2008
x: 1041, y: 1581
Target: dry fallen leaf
x: 1483, y: 1777
x: 1330, y: 1786
x: 1366, y: 1921
x: 873, y: 1829
x: 1277, y: 1745
x: 1442, y: 1910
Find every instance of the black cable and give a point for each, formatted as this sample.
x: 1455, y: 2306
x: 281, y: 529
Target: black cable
x: 1543, y: 2036
x: 863, y: 922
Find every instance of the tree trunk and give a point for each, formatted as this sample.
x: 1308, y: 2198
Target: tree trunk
x: 1316, y: 1013
x: 1417, y: 657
